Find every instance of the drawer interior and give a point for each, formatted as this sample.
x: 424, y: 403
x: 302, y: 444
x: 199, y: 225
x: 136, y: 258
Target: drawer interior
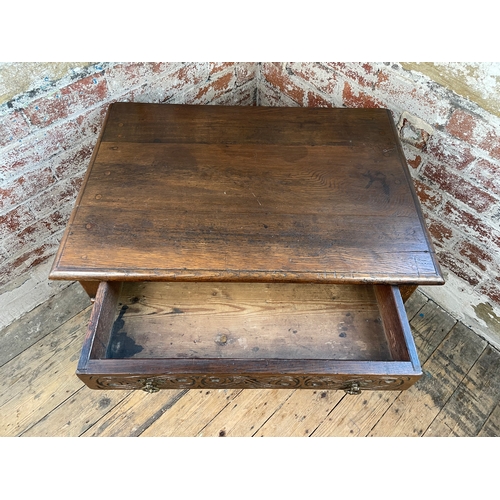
x: 180, y: 327
x: 247, y: 320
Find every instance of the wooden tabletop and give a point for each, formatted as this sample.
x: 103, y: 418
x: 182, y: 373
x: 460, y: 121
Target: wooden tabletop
x: 222, y: 193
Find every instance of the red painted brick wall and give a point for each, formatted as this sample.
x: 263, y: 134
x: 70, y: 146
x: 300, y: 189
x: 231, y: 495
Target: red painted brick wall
x: 47, y: 136
x: 453, y: 149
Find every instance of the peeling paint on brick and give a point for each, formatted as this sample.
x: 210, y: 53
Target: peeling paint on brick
x: 245, y: 72
x: 277, y: 76
x: 13, y: 128
x: 450, y: 151
x: 14, y: 220
x: 470, y: 224
x: 315, y: 100
x: 214, y: 89
x: 458, y: 187
x: 462, y: 125
x: 75, y: 98
x: 428, y: 197
x: 24, y: 187
x: 460, y: 268
x: 317, y: 76
x: 486, y: 313
x: 18, y: 78
x: 269, y: 96
x: 476, y: 255
x: 40, y: 230
x: 441, y: 233
x: 358, y: 99
x: 487, y: 174
x: 476, y: 131
x: 414, y: 131
x: 14, y: 266
x: 479, y: 82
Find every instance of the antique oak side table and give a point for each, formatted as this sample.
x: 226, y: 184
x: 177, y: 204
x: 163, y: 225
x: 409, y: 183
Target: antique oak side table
x: 247, y: 247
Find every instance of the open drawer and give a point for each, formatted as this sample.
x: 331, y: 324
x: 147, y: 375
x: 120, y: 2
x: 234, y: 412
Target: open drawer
x: 164, y: 335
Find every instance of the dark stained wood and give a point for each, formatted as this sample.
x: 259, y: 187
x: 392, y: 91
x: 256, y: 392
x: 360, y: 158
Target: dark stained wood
x: 407, y: 291
x: 215, y: 193
x: 253, y: 207
x: 255, y: 374
x: 101, y: 321
x: 90, y: 287
x: 181, y: 124
x: 396, y: 325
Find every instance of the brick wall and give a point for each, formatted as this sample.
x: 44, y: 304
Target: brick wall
x: 50, y: 116
x: 452, y: 144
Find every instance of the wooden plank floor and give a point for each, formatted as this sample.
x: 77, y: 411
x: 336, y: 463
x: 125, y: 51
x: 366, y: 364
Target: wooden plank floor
x: 459, y: 394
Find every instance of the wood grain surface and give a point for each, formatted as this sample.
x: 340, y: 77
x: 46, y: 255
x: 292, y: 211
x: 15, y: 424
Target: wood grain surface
x: 247, y: 335
x: 249, y: 320
x: 218, y: 193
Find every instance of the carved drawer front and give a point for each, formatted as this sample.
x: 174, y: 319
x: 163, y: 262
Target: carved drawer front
x: 162, y: 335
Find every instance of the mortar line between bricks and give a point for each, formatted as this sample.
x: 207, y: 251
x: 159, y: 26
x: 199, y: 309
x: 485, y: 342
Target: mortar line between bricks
x: 38, y: 166
x: 258, y: 80
x: 168, y: 74
x: 273, y: 89
x: 240, y: 86
x: 55, y: 236
x: 71, y: 118
x: 58, y: 123
x: 57, y: 85
x: 246, y: 86
x: 462, y: 206
x: 27, y: 200
x: 25, y: 248
x: 310, y: 87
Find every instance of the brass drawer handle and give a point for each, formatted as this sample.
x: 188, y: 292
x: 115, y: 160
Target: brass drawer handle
x: 353, y: 389
x: 150, y: 386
